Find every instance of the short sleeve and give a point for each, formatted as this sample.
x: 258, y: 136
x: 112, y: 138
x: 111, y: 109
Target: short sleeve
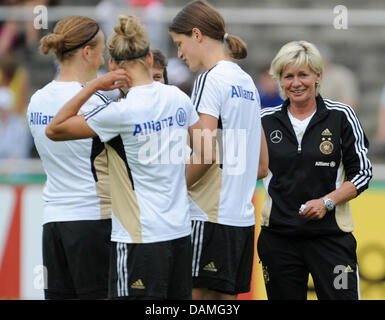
x: 105, y: 120
x: 208, y: 100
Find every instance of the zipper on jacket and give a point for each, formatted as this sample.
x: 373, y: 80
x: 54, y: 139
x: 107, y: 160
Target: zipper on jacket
x: 299, y: 149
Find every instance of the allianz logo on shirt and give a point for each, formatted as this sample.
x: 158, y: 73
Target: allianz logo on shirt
x: 38, y: 118
x: 239, y: 92
x: 152, y: 126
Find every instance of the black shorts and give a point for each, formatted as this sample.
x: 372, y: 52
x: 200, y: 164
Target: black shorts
x: 76, y: 258
x: 222, y: 257
x: 288, y: 260
x: 158, y: 270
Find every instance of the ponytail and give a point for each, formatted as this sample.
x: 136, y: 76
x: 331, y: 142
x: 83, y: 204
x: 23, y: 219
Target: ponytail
x: 69, y: 34
x: 237, y: 47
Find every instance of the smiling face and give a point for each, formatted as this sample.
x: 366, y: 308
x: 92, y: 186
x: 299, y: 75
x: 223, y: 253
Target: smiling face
x: 157, y: 73
x: 299, y: 83
x: 188, y: 50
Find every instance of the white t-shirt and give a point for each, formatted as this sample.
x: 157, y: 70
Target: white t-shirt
x: 299, y: 126
x: 72, y: 167
x: 223, y: 195
x: 146, y: 136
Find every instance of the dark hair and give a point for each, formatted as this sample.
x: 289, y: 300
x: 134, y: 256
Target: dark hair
x: 161, y: 62
x: 199, y: 14
x: 69, y: 34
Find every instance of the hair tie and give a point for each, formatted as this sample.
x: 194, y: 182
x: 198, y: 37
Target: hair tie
x: 83, y: 43
x: 225, y: 36
x: 141, y: 55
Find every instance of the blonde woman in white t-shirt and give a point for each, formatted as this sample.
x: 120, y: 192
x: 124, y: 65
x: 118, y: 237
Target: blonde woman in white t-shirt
x: 77, y: 202
x: 229, y: 106
x: 146, y: 134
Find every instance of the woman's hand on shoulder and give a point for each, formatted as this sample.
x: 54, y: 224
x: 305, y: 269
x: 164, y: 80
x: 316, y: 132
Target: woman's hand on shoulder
x: 111, y: 80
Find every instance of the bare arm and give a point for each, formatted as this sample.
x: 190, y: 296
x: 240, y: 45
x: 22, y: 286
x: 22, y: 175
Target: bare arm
x: 263, y: 157
x: 358, y: 169
x: 67, y: 125
x: 203, y: 142
x: 344, y: 193
x: 315, y: 209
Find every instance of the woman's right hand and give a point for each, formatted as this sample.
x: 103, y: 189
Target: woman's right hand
x: 111, y: 80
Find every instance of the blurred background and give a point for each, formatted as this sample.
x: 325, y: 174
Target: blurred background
x: 351, y: 38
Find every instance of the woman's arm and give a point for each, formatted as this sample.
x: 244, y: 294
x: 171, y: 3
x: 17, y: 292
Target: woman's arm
x: 203, y: 142
x: 263, y: 167
x: 67, y: 124
x: 358, y: 168
x: 315, y: 209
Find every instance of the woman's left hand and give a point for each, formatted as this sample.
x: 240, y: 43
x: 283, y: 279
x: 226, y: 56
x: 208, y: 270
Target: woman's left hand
x: 111, y: 80
x: 315, y: 210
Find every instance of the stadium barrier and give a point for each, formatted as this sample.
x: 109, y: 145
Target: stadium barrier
x: 22, y: 273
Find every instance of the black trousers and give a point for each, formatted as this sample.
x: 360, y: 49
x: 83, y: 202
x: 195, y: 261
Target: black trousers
x: 288, y: 260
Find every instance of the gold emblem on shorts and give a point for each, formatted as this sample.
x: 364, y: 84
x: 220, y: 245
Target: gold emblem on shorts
x: 326, y: 146
x: 138, y: 284
x: 210, y: 267
x: 326, y: 132
x: 349, y: 269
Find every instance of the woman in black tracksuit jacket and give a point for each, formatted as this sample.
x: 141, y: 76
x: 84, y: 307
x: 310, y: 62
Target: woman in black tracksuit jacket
x: 317, y: 163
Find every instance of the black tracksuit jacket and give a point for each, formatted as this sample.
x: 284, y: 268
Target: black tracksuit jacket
x: 333, y: 150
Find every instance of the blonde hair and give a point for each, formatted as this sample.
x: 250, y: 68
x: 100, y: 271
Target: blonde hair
x: 299, y: 53
x: 201, y: 15
x: 69, y: 34
x: 129, y: 41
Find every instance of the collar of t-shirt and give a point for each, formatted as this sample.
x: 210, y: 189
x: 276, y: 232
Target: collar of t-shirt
x: 299, y: 126
x: 225, y: 62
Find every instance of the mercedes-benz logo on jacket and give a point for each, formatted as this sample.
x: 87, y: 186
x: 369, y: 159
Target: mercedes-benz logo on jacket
x: 276, y: 136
